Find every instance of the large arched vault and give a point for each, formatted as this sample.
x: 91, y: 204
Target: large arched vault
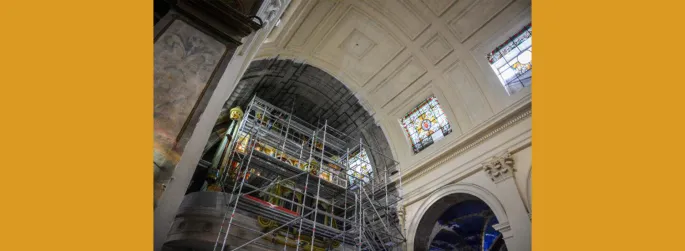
x: 314, y: 96
x: 396, y: 54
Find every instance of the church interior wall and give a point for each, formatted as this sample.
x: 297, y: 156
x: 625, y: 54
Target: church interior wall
x: 523, y: 159
x: 431, y: 59
x: 405, y: 52
x: 467, y: 168
x: 456, y: 72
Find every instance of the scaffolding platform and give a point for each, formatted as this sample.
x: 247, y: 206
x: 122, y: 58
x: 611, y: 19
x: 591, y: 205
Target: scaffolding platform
x: 308, y: 187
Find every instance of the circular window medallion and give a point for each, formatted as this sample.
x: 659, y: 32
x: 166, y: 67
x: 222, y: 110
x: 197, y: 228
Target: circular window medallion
x: 426, y: 124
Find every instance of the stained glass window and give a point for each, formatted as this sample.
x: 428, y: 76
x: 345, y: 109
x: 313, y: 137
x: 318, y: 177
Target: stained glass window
x: 512, y: 60
x: 360, y: 167
x: 426, y: 124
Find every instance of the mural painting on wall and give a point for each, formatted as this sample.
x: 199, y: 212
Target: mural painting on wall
x: 184, y: 61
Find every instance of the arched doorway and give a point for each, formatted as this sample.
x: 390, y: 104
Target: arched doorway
x: 468, y: 225
x: 458, y: 221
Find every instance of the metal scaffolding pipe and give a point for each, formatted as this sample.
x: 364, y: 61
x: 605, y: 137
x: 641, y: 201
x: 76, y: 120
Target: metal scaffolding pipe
x: 304, y: 197
x: 376, y: 211
x: 318, y: 188
x: 291, y: 201
x: 285, y: 140
x: 268, y: 233
x: 361, y: 220
x: 244, y: 174
x: 231, y: 146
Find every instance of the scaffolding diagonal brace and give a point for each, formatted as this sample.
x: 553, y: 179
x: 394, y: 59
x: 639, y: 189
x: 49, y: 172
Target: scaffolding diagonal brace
x: 331, y: 202
x: 270, y: 232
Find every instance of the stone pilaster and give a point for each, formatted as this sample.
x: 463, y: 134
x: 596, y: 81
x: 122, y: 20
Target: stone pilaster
x: 505, y: 229
x: 181, y: 71
x: 517, y: 232
x: 185, y: 61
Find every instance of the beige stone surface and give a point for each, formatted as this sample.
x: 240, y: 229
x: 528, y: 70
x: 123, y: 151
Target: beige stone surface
x: 395, y: 53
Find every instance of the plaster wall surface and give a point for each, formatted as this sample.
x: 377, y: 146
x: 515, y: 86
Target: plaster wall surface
x: 466, y: 170
x: 394, y: 54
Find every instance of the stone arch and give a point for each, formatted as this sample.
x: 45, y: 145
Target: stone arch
x: 281, y: 71
x: 453, y: 193
x: 326, y: 67
x: 352, y: 85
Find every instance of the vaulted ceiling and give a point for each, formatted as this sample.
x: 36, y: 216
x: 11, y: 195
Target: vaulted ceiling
x: 312, y: 95
x: 393, y: 54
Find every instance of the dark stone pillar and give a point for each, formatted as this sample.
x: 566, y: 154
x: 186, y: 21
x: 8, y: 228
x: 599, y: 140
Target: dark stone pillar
x: 187, y: 63
x: 196, y: 67
x: 193, y: 44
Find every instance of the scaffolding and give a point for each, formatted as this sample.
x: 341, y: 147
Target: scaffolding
x: 313, y: 185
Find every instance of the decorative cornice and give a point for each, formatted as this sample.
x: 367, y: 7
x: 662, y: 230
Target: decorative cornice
x: 222, y: 19
x: 271, y: 10
x: 499, y: 168
x: 472, y: 142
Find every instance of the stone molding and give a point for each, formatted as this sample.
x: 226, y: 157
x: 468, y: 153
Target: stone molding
x: 467, y: 188
x: 505, y: 229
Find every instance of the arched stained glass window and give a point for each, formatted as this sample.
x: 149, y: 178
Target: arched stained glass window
x: 426, y: 124
x: 360, y: 167
x: 512, y: 61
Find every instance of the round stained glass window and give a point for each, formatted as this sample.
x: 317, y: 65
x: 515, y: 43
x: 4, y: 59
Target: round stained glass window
x: 426, y: 124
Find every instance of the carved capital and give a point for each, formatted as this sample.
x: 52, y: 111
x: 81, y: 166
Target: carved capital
x: 401, y: 214
x: 267, y: 13
x: 500, y: 168
x: 271, y: 10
